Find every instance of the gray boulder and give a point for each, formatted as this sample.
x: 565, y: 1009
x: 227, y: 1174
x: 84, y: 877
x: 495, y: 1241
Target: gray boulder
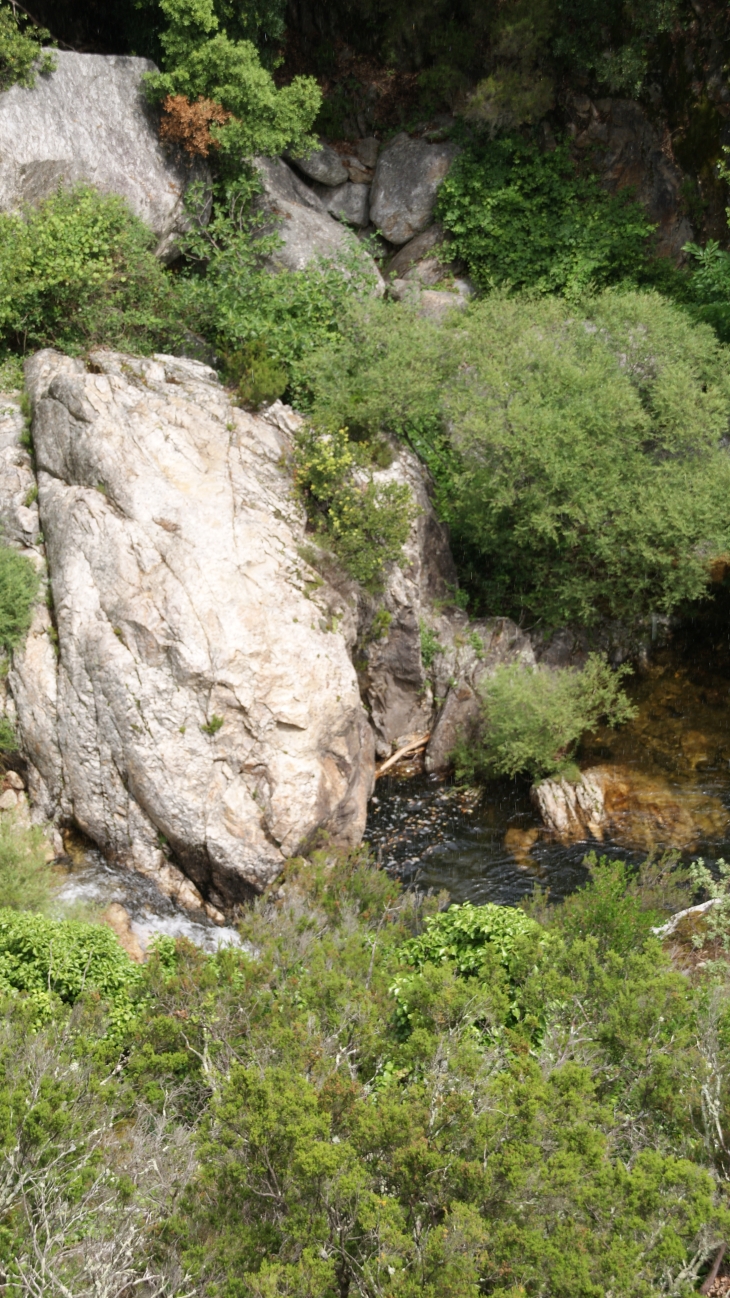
x: 306, y: 229
x: 323, y: 165
x: 416, y: 251
x: 202, y: 695
x: 89, y: 121
x: 348, y: 203
x: 407, y: 177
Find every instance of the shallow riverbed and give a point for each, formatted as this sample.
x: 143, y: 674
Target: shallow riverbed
x: 490, y: 845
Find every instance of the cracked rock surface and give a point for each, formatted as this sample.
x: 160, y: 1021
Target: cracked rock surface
x: 200, y: 699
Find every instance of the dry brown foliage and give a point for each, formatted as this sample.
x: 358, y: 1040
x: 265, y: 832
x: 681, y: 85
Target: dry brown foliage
x: 188, y: 124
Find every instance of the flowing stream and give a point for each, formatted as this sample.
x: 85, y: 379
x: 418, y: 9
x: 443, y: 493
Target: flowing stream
x: 673, y: 759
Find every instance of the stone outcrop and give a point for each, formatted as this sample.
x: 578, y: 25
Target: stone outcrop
x: 305, y: 227
x: 628, y: 151
x: 89, y: 121
x: 639, y: 811
x: 394, y: 683
x: 193, y: 695
x: 407, y: 176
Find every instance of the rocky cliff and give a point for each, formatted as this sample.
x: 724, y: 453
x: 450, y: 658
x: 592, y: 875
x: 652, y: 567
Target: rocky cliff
x: 189, y: 694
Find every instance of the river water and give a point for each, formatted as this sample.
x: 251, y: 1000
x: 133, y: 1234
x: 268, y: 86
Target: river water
x: 674, y: 758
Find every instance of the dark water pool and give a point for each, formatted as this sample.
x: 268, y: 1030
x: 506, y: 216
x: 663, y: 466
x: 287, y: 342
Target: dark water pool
x: 490, y: 845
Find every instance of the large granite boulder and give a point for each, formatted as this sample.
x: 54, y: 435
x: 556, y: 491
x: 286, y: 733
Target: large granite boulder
x: 89, y: 121
x: 407, y: 176
x: 306, y: 229
x: 195, y: 696
x: 323, y: 165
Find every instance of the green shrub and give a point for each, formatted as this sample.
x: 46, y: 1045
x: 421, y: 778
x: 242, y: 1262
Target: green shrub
x: 533, y: 718
x: 521, y: 218
x: 21, y: 57
x: 26, y: 879
x: 430, y: 646
x: 265, y: 321
x: 578, y: 453
x: 19, y: 583
x: 60, y: 960
x: 366, y: 522
x: 460, y: 934
x: 258, y: 378
x: 79, y: 270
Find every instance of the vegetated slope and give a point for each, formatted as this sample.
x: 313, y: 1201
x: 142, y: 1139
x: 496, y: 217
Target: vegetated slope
x: 374, y: 1098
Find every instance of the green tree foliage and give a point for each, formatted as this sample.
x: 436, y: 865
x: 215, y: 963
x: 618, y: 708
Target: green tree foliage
x: 532, y: 719
x: 523, y: 218
x: 21, y: 57
x: 79, y: 269
x: 200, y: 58
x: 577, y: 450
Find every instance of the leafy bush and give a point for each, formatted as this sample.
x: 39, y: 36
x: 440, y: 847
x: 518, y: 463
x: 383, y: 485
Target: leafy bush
x: 26, y: 880
x: 533, y: 718
x: 52, y: 960
x: 257, y: 376
x: 578, y: 453
x: 21, y: 57
x: 459, y: 935
x: 79, y: 269
x: 19, y: 584
x: 524, y: 219
x: 366, y: 522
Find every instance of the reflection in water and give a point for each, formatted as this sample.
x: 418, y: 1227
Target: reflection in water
x: 667, y: 786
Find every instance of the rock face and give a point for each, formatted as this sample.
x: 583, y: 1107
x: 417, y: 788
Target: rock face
x: 628, y: 151
x: 393, y: 681
x: 201, y: 696
x: 304, y: 225
x: 407, y: 177
x: 89, y: 121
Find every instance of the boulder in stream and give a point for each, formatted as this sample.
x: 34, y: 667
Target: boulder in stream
x: 192, y: 695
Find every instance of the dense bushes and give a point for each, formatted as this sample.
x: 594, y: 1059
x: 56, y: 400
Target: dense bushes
x: 577, y: 450
x: 532, y: 719
x: 529, y: 219
x: 79, y: 269
x: 384, y: 1099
